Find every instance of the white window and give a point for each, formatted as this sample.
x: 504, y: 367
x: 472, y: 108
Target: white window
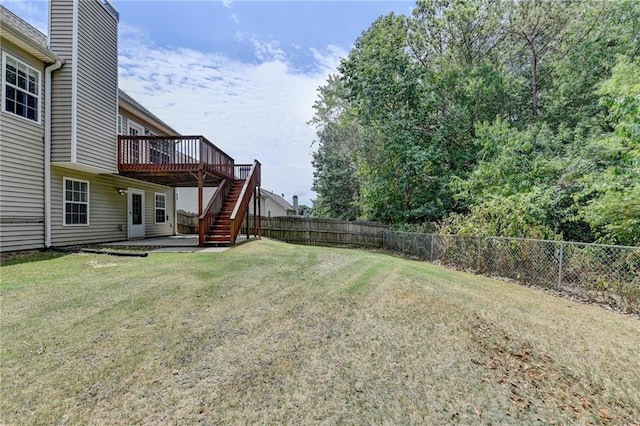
x: 76, y: 202
x: 21, y: 94
x: 135, y: 130
x: 161, y: 208
x: 119, y: 124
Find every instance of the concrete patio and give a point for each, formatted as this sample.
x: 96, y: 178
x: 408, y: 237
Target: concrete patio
x: 176, y: 244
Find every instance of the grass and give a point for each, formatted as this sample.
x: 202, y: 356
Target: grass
x: 276, y: 333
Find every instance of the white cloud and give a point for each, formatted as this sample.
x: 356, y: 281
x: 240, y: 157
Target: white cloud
x: 267, y: 50
x: 227, y: 3
x: 248, y: 110
x: 34, y: 12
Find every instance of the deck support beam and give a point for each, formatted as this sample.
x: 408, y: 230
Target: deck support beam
x: 248, y: 229
x: 201, y: 230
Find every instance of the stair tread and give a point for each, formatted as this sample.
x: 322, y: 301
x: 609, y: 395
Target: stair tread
x: 219, y: 232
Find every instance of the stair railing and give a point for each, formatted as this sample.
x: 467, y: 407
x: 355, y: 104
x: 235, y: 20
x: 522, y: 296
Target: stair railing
x: 205, y: 221
x: 242, y: 205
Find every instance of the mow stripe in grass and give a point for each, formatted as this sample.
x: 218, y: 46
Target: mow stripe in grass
x: 275, y: 333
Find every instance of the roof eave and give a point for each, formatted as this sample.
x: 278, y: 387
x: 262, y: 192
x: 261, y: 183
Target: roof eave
x: 126, y: 102
x: 16, y: 37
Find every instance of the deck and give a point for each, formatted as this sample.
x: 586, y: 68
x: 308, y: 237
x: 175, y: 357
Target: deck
x: 174, y: 160
x: 193, y: 161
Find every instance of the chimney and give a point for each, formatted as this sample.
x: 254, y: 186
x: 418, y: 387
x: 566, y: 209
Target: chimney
x: 295, y: 205
x: 85, y: 91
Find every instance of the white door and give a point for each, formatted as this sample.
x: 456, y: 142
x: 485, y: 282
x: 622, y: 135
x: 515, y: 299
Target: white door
x: 135, y: 149
x: 135, y: 213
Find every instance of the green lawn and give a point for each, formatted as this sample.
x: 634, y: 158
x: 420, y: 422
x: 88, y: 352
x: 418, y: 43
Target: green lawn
x: 275, y: 333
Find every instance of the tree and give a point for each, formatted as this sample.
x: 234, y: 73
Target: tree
x: 505, y: 117
x: 335, y: 179
x: 612, y: 189
x: 538, y: 28
x: 384, y: 87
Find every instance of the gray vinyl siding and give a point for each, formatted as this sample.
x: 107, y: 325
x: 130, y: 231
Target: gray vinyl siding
x: 21, y: 171
x: 107, y: 209
x: 96, y: 82
x: 61, y: 42
x: 148, y: 125
x: 97, y: 100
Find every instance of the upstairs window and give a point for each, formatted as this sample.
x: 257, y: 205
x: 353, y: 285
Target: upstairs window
x: 21, y: 94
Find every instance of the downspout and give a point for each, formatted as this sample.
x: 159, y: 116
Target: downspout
x: 48, y: 71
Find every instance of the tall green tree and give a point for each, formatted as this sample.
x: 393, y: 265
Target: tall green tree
x: 612, y: 185
x: 501, y: 117
x: 339, y: 138
x: 385, y: 88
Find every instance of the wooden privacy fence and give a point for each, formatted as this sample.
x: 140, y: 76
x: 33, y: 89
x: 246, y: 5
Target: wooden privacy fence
x: 322, y: 232
x: 187, y: 222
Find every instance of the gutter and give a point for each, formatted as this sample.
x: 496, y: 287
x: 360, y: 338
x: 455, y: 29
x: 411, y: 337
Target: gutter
x: 48, y: 71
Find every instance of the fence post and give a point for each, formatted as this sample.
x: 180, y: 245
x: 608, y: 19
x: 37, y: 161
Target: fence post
x: 403, y: 242
x: 560, y: 261
x: 431, y: 250
x: 478, y: 252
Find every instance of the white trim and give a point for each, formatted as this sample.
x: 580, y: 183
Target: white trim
x: 49, y: 25
x: 74, y: 84
x: 39, y: 109
x: 155, y: 208
x: 64, y: 202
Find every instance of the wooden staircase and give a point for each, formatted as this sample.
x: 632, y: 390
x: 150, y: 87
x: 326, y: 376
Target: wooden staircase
x: 221, y: 221
x: 219, y: 234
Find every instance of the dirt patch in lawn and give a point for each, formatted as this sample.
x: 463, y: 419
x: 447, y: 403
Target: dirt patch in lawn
x: 533, y: 380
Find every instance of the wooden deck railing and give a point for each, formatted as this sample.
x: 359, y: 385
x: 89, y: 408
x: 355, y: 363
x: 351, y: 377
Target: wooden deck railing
x: 213, y: 209
x: 252, y: 181
x: 172, y: 153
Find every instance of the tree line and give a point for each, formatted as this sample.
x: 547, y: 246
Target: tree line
x: 515, y: 118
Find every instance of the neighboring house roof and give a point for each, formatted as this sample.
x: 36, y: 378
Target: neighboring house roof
x: 277, y: 199
x: 23, y: 35
x: 127, y: 102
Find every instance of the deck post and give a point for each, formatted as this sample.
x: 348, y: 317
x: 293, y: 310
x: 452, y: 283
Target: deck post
x: 248, y: 230
x: 201, y: 229
x: 255, y: 212
x: 259, y: 215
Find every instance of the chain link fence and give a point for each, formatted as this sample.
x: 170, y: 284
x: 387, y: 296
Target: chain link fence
x: 593, y: 272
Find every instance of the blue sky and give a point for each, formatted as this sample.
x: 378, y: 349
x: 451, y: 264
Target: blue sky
x: 242, y: 73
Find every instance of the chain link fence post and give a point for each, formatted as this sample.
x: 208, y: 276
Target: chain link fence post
x: 560, y: 263
x: 431, y: 248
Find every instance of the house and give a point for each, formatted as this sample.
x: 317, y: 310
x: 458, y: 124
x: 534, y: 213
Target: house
x: 81, y: 162
x: 274, y: 205
x: 187, y: 198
